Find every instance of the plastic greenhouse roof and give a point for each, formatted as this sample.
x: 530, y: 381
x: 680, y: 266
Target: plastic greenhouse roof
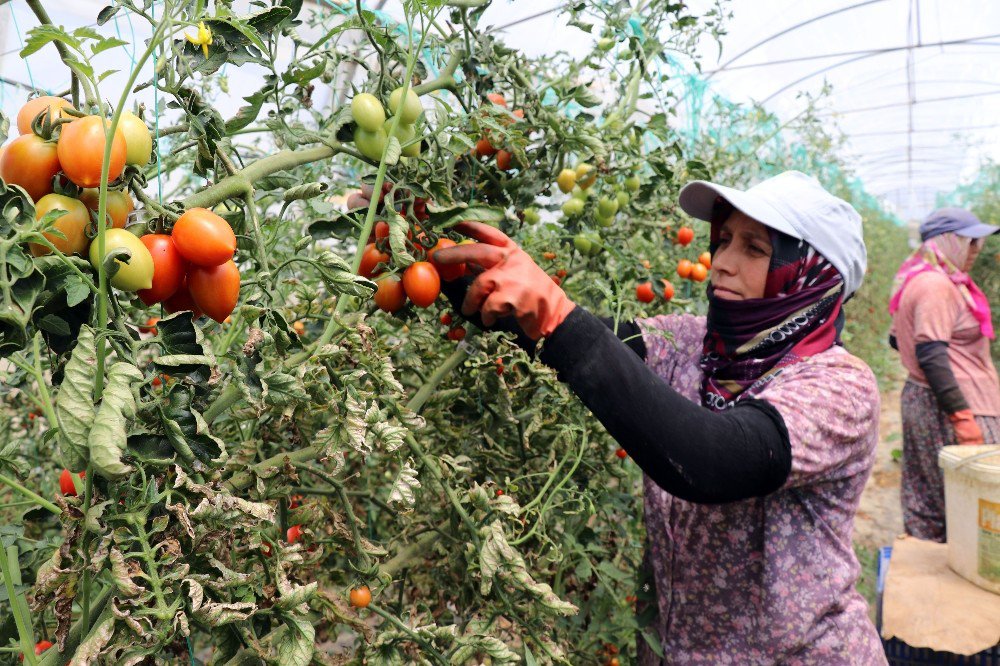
x: 915, y: 84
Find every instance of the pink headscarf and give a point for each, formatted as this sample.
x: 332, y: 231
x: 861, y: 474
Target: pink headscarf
x: 943, y: 254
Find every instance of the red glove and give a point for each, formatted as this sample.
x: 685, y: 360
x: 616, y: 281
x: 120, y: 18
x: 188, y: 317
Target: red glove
x: 966, y: 429
x: 510, y: 283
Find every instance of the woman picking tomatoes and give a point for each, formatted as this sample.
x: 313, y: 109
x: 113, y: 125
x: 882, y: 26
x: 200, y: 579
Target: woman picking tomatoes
x: 755, y: 428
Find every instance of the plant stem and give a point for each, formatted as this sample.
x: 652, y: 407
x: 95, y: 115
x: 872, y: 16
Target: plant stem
x: 88, y: 89
x: 23, y: 622
x: 35, y: 499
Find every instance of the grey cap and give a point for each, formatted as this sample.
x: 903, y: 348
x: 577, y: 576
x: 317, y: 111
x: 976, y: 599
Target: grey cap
x: 955, y: 220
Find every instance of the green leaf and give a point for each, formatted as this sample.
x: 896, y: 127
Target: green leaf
x: 339, y: 277
x: 393, y: 151
x: 107, y: 438
x: 397, y: 239
x: 107, y: 14
x: 184, y: 347
x: 440, y: 218
x: 54, y: 324
x: 105, y: 44
x: 266, y: 21
x: 75, y: 407
x: 44, y: 34
x: 249, y: 113
x: 283, y: 389
x: 294, y: 642
x: 189, y: 434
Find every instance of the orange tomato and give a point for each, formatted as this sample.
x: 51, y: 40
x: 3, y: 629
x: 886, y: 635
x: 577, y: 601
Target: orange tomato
x: 204, y: 238
x: 699, y: 272
x: 644, y: 292
x: 81, y: 151
x: 215, y: 289
x: 705, y: 259
x: 497, y: 99
x: 150, y: 326
x: 169, y: 268
x: 422, y: 283
x: 684, y: 267
x: 685, y: 235
x: 448, y: 272
x: 30, y: 111
x: 361, y: 596
x: 504, y: 159
x: 31, y: 162
x: 370, y: 259
x: 668, y: 290
x: 182, y: 300
x: 390, y: 297
x: 484, y: 148
x: 119, y: 204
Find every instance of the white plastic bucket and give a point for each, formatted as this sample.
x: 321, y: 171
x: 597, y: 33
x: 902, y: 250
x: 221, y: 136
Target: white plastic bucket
x: 972, y: 509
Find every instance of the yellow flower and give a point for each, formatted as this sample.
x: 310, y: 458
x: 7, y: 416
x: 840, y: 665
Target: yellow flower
x: 203, y: 37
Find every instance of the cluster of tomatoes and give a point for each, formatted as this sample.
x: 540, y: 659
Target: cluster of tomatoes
x: 372, y: 132
x: 193, y: 267
x: 485, y: 149
x: 686, y: 269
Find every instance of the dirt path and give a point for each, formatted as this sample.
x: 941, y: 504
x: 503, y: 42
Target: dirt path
x: 879, y: 518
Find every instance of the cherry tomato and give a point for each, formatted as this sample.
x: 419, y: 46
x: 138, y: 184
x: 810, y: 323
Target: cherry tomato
x: 182, y: 300
x: 381, y: 230
x: 119, y: 204
x: 138, y: 140
x: 31, y: 162
x: 705, y: 259
x: 448, y: 272
x: 484, y: 148
x: 40, y: 647
x: 497, y: 99
x: 361, y: 597
x: 204, y: 238
x: 668, y: 290
x: 215, y: 289
x: 390, y: 297
x: 29, y: 111
x: 371, y: 258
x: 621, y: 453
x: 169, y: 268
x: 367, y: 112
x: 150, y: 325
x: 300, y: 328
x: 684, y: 267
x: 81, y: 151
x: 138, y: 272
x: 685, y: 235
x: 504, y: 159
x: 446, y: 319
x: 556, y: 279
x: 699, y: 272
x: 73, y: 225
x: 549, y: 255
x: 499, y: 492
x: 457, y: 333
x: 644, y: 292
x: 371, y: 144
x: 422, y: 283
x: 411, y: 105
x: 293, y: 534
x: 66, y: 485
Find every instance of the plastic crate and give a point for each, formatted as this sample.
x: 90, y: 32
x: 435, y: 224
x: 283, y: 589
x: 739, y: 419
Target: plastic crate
x: 900, y: 654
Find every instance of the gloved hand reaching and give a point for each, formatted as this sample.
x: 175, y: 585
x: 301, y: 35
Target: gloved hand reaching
x: 510, y: 282
x: 967, y: 431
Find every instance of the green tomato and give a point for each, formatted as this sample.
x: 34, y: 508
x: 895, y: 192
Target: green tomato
x: 572, y: 207
x: 531, y: 216
x: 582, y: 244
x: 411, y: 107
x: 138, y: 140
x: 371, y: 144
x: 138, y: 272
x: 586, y: 174
x: 566, y: 180
x: 404, y: 133
x: 632, y: 183
x: 605, y: 43
x: 367, y: 112
x: 622, y: 197
x: 604, y: 220
x: 595, y: 245
x: 607, y: 207
x: 580, y: 193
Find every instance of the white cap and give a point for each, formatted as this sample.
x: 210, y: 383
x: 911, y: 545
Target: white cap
x: 794, y: 204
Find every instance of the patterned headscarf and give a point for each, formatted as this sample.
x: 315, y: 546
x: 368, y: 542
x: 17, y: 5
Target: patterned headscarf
x: 749, y: 341
x: 943, y: 254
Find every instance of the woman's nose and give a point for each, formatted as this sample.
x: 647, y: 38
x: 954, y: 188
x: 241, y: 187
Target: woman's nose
x: 722, y: 261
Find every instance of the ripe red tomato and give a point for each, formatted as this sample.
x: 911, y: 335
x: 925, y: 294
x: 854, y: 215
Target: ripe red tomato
x: 684, y: 267
x: 371, y: 258
x: 119, y: 204
x: 668, y: 290
x: 390, y: 297
x: 685, y: 235
x: 73, y: 225
x: 504, y: 159
x: 168, y: 268
x: 699, y: 272
x: 294, y: 534
x: 484, y: 148
x: 621, y: 453
x: 182, y: 300
x: 381, y: 230
x: 29, y: 111
x: 457, y: 333
x: 705, y: 259
x: 81, y: 151
x: 215, y: 289
x: 31, y: 162
x: 66, y: 485
x: 361, y: 597
x: 150, y: 326
x: 499, y: 492
x: 446, y: 319
x: 644, y: 292
x: 448, y: 272
x: 422, y: 283
x: 40, y: 647
x: 204, y: 238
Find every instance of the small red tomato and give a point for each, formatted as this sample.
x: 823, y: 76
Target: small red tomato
x: 499, y: 492
x: 504, y: 160
x: 422, y: 283
x: 66, y: 485
x: 705, y: 259
x: 457, y: 333
x: 549, y: 255
x: 370, y: 259
x: 215, y: 289
x: 621, y: 453
x: 182, y: 300
x: 448, y: 272
x: 446, y: 319
x: 390, y: 296
x: 497, y: 99
x: 295, y: 501
x: 40, y: 647
x: 168, y: 268
x: 484, y: 148
x: 685, y: 235
x: 668, y: 290
x: 204, y: 238
x: 381, y: 230
x: 294, y: 534
x: 265, y: 548
x: 556, y: 279
x: 644, y: 292
x: 361, y: 596
x: 561, y: 273
x: 150, y: 326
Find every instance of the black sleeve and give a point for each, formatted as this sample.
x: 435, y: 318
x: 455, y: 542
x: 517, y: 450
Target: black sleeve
x: 933, y: 360
x: 629, y: 333
x: 893, y: 342
x: 689, y: 451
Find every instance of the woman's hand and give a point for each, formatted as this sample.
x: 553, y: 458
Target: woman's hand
x: 509, y: 282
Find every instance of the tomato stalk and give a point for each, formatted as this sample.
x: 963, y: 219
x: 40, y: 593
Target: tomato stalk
x: 22, y: 616
x: 35, y: 499
x: 90, y: 91
x: 541, y: 512
x: 417, y: 638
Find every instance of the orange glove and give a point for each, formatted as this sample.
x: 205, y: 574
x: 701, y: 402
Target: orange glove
x: 510, y: 283
x: 966, y: 429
